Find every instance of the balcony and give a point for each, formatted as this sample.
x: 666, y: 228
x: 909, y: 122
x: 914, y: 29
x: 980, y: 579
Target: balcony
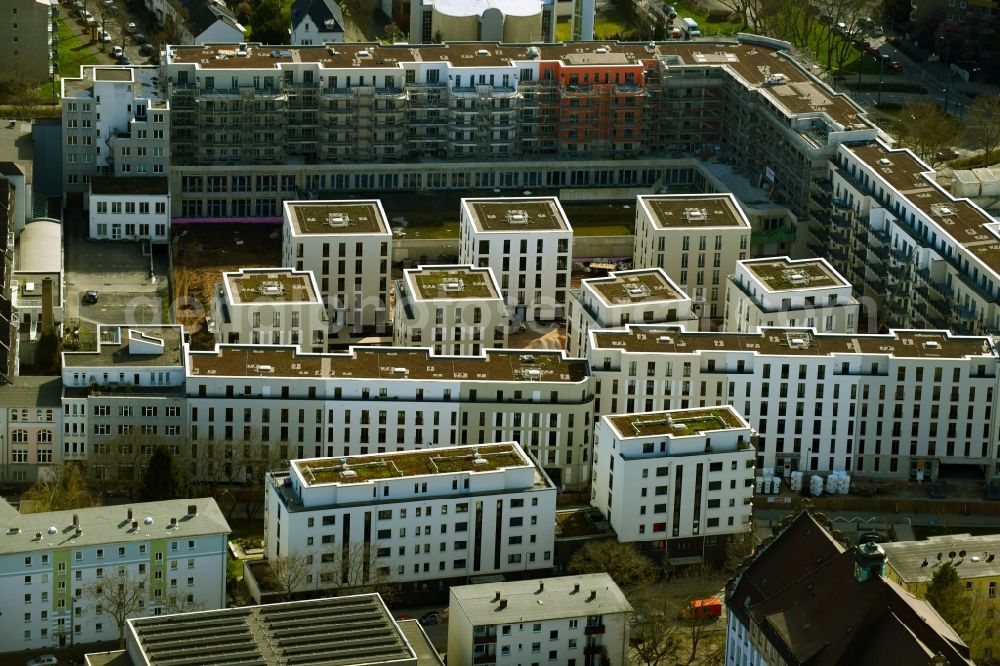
x: 593, y: 629
x: 484, y: 659
x: 484, y: 639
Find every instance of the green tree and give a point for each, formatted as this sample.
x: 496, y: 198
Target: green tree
x: 622, y: 561
x: 945, y: 592
x: 269, y: 22
x: 59, y: 489
x: 164, y: 479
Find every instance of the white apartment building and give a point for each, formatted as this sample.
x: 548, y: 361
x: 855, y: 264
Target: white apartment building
x: 898, y: 404
x: 374, y: 400
x: 116, y: 122
x: 570, y: 620
x: 450, y: 309
x: 676, y: 482
x: 644, y: 295
x: 927, y: 259
x: 347, y: 245
x: 697, y: 239
x: 276, y: 306
x: 419, y: 519
x: 528, y: 243
x: 121, y: 398
x: 778, y: 291
x: 129, y: 208
x: 51, y: 565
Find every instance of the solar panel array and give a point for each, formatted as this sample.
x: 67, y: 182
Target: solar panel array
x: 336, y: 632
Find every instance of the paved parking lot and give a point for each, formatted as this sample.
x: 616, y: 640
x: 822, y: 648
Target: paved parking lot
x: 132, y: 287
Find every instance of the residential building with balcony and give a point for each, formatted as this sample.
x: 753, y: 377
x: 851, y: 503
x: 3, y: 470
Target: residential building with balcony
x: 116, y: 122
x: 270, y: 306
x: 419, y: 519
x: 528, y: 244
x: 696, y: 240
x: 375, y: 400
x: 644, y: 295
x: 27, y: 40
x: 123, y: 398
x: 129, y: 208
x: 347, y: 245
x: 779, y: 291
x: 580, y: 620
x: 678, y: 483
x: 893, y: 405
x: 56, y: 564
x: 846, y: 609
x: 450, y: 309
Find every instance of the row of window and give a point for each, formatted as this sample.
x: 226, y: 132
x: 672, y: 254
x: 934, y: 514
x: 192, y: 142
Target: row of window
x: 129, y: 207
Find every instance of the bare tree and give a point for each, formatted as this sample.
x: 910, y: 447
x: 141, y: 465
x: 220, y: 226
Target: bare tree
x: 361, y: 573
x: 622, y: 561
x: 290, y: 572
x: 741, y: 546
x: 58, y: 489
x: 175, y: 602
x: 223, y: 467
x: 928, y: 130
x: 982, y: 124
x: 123, y: 460
x: 121, y: 596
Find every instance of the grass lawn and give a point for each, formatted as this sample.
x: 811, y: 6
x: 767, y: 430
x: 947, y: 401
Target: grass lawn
x: 246, y: 528
x: 610, y: 229
x: 431, y: 229
x: 708, y: 28
x: 234, y: 567
x: 974, y: 161
x: 610, y: 22
x: 73, y: 50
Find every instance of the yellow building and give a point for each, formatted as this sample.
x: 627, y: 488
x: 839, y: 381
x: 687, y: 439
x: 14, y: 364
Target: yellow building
x: 976, y: 559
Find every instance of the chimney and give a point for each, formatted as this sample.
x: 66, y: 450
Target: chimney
x: 173, y: 522
x: 869, y: 562
x: 48, y: 319
x: 497, y: 597
x: 192, y: 510
x: 76, y: 520
x: 135, y: 524
x: 576, y: 588
x: 503, y: 604
x: 130, y: 513
x: 541, y: 586
x: 593, y: 595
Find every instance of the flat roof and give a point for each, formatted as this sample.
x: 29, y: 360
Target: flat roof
x: 676, y: 422
x: 517, y: 214
x: 644, y: 285
x: 113, y: 348
x: 973, y: 556
x: 450, y: 282
x: 534, y: 600
x: 404, y: 464
x: 32, y: 391
x: 753, y: 62
x: 284, y: 285
x: 337, y: 217
x: 795, y: 341
x: 112, y: 73
x: 784, y: 274
x: 959, y: 218
x: 677, y: 211
x: 130, y: 185
x: 29, y: 285
x: 109, y: 525
x: 387, y: 363
x: 335, y: 631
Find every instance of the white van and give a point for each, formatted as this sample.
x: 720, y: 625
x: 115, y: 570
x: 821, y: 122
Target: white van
x: 692, y: 27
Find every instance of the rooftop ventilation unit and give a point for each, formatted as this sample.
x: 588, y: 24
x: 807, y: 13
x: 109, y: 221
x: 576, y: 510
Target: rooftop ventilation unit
x: 534, y: 373
x: 349, y: 473
x: 482, y: 52
x: 797, y: 277
x: 364, y: 54
x: 272, y: 288
x: 932, y: 344
x: 601, y: 49
x: 797, y: 342
x: 453, y: 285
x: 265, y: 368
x: 884, y: 161
x: 664, y: 339
x: 775, y: 80
x: 337, y: 219
x: 942, y: 210
x: 400, y: 371
x: 517, y: 217
x: 695, y: 214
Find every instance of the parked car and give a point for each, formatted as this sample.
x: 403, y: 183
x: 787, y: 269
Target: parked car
x: 106, y: 37
x: 130, y: 28
x: 90, y: 296
x: 146, y: 49
x: 124, y: 60
x: 895, y: 66
x: 44, y: 660
x: 117, y: 53
x: 139, y: 38
x: 427, y: 619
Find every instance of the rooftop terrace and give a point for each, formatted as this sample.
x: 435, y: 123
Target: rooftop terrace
x: 270, y: 285
x: 358, y: 469
x: 639, y: 286
x: 449, y: 282
x: 673, y: 211
x: 386, y: 363
x: 113, y: 348
x: 784, y: 274
x: 516, y: 214
x: 337, y: 217
x: 795, y: 342
x: 676, y: 423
